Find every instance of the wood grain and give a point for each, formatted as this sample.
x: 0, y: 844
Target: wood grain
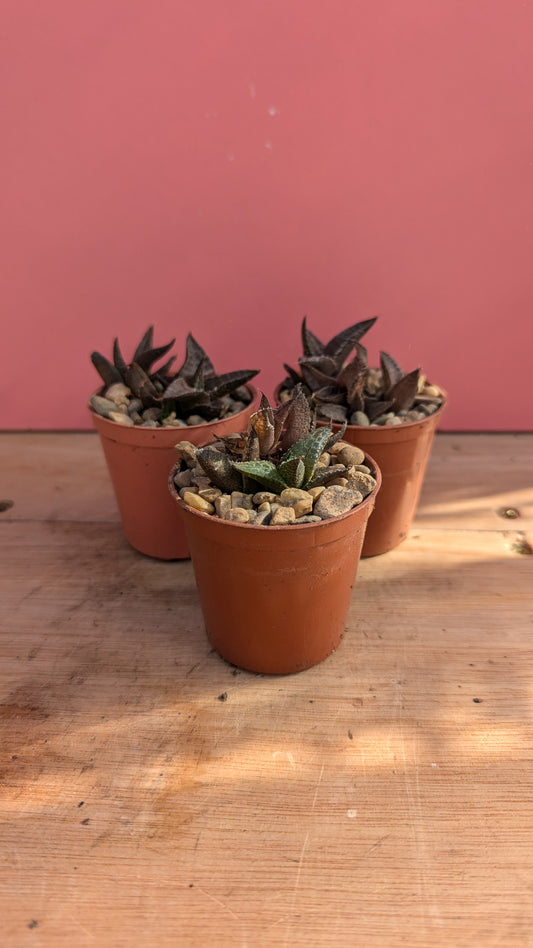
x: 382, y: 798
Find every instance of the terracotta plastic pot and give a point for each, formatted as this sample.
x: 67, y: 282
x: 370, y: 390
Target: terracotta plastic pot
x: 275, y: 599
x: 402, y: 453
x: 139, y: 460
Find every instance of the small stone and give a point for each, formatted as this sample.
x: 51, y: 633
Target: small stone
x: 149, y: 424
x: 281, y: 516
x: 264, y: 507
x: 309, y: 518
x: 390, y: 422
x: 201, y: 481
x: 264, y: 497
x: 238, y: 515
x: 351, y: 455
x: 359, y: 418
x: 431, y: 390
x: 194, y: 500
x: 338, y: 446
x: 324, y: 460
x: 191, y: 490
x: 262, y: 517
x: 210, y: 493
x: 187, y: 452
x: 360, y: 467
x: 338, y: 482
x: 102, y: 406
x: 362, y: 482
x: 300, y: 500
x: 316, y: 491
x: 223, y: 506
x: 121, y: 418
x: 239, y: 499
x: 243, y: 394
x: 118, y: 393
x: 135, y: 406
x: 183, y: 478
x: 152, y: 414
x: 194, y: 420
x: 136, y: 418
x: 285, y: 396
x: 336, y: 501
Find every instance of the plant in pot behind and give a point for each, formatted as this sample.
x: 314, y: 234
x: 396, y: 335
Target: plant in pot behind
x: 391, y: 414
x: 137, y: 413
x: 275, y: 520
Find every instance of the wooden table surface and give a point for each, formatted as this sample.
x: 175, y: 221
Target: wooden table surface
x: 383, y: 798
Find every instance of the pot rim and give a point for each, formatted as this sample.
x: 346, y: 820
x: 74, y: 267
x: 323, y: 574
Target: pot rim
x: 285, y: 528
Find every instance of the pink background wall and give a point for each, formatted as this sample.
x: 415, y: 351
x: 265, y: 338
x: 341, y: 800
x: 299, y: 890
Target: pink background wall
x: 228, y: 167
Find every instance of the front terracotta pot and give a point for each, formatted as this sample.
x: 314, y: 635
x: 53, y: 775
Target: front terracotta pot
x: 275, y: 599
x: 139, y: 460
x: 402, y: 453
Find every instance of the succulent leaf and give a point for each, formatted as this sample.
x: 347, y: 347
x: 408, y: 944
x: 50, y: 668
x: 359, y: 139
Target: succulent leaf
x: 403, y: 392
x: 297, y: 420
x: 219, y: 468
x: 345, y: 340
x: 220, y: 385
x: 323, y: 474
x: 194, y: 356
x: 264, y: 472
x: 147, y: 358
x: 374, y: 408
x: 118, y: 358
x: 311, y: 344
x: 292, y: 471
x: 335, y: 414
x: 106, y: 370
x: 391, y: 371
x: 309, y: 449
x: 141, y: 384
x: 145, y: 343
x: 262, y: 424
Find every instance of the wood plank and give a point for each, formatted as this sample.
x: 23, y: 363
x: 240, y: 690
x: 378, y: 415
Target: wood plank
x: 473, y: 478
x: 55, y: 476
x: 370, y: 800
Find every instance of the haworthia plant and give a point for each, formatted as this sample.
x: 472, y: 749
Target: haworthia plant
x: 336, y: 387
x: 195, y: 387
x: 281, y: 449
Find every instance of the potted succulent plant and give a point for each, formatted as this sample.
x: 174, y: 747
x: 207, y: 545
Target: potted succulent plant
x: 390, y: 414
x: 139, y: 412
x: 275, y: 520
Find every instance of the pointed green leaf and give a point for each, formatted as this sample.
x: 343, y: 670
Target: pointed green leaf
x: 292, y: 472
x: 265, y: 472
x: 324, y: 474
x: 309, y: 449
